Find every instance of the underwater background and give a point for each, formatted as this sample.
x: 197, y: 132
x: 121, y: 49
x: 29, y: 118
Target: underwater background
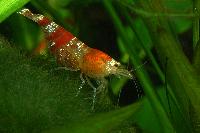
x: 156, y: 40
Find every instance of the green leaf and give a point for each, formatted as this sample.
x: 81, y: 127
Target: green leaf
x: 103, y: 122
x: 10, y: 6
x: 36, y: 97
x: 147, y: 120
x: 182, y: 24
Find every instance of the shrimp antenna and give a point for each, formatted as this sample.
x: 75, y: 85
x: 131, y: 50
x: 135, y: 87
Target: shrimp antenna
x: 138, y: 67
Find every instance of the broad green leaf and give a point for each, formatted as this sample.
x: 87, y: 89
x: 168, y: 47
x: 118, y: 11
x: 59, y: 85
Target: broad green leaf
x: 100, y: 123
x: 147, y: 119
x: 36, y: 97
x: 10, y: 6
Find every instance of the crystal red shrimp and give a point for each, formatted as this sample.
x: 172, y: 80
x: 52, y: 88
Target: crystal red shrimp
x: 74, y: 55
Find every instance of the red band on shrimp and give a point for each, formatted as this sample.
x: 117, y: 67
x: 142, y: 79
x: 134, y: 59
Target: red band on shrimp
x: 44, y: 21
x: 59, y: 37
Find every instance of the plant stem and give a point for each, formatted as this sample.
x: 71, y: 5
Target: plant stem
x: 196, y: 10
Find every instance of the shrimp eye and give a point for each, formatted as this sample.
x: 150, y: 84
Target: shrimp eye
x: 116, y: 65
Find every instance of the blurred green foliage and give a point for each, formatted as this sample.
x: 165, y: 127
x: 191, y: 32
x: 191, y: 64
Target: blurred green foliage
x: 163, y: 33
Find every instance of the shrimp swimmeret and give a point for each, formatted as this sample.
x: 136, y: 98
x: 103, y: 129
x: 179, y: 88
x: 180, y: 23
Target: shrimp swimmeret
x: 74, y: 55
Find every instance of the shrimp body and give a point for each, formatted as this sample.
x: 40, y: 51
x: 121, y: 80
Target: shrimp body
x: 74, y: 55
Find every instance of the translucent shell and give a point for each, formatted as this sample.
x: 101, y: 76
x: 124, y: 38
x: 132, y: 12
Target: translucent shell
x: 71, y: 54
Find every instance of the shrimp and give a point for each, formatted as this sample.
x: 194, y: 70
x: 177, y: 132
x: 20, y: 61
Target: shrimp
x: 74, y: 55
